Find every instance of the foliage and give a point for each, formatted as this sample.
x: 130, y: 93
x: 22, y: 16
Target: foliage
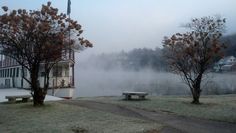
x: 36, y: 37
x: 191, y: 54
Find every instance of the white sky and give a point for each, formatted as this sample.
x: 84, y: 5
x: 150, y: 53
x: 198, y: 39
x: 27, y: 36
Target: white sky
x: 115, y: 25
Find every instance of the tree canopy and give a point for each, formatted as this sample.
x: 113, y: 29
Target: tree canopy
x: 190, y: 54
x: 38, y: 36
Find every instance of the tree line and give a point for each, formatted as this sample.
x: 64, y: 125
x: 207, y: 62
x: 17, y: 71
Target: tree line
x: 230, y: 42
x: 147, y: 58
x: 136, y: 59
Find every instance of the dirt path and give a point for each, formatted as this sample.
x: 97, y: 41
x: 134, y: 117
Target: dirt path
x: 174, y: 123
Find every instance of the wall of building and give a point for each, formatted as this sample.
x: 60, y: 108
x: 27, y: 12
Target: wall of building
x: 60, y: 76
x: 62, y: 92
x: 10, y: 77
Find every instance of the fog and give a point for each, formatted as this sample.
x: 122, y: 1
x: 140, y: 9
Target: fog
x: 115, y: 25
x: 96, y: 81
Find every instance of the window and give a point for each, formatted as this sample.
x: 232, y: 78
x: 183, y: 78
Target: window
x: 25, y: 72
x: 57, y: 71
x: 3, y: 73
x: 17, y: 71
x: 54, y: 72
x: 11, y: 73
x: 14, y: 72
x: 8, y: 72
x: 67, y: 72
x: 42, y: 74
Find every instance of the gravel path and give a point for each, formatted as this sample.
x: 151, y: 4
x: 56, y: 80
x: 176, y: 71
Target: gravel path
x: 174, y: 123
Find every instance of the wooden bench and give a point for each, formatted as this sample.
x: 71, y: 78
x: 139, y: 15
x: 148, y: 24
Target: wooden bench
x: 24, y: 98
x: 141, y: 95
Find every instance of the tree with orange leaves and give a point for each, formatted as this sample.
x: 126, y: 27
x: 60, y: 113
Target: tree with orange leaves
x: 191, y: 54
x: 38, y: 37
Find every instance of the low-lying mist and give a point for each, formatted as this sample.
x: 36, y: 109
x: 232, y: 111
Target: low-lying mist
x: 92, y: 80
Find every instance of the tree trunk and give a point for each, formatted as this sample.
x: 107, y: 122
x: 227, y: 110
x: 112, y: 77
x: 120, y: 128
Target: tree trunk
x: 46, y: 81
x: 39, y: 97
x: 196, y: 99
x: 197, y: 90
x: 196, y: 95
x: 38, y: 93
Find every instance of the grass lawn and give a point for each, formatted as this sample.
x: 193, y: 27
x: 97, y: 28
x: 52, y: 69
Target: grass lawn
x: 220, y: 107
x: 61, y: 118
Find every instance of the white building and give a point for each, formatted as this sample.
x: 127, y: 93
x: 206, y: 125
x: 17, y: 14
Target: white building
x: 61, y: 83
x: 225, y: 64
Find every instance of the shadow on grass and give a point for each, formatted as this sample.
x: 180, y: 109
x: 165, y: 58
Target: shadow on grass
x: 201, y: 104
x: 135, y: 99
x: 79, y: 130
x: 16, y: 102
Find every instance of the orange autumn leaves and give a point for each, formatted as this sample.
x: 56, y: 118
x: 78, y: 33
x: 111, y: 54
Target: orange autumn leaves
x: 201, y: 44
x: 46, y: 20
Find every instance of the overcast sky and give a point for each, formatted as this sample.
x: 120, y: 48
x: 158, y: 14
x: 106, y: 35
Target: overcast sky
x: 115, y: 25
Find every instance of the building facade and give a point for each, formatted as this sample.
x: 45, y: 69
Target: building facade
x: 225, y: 64
x: 61, y: 83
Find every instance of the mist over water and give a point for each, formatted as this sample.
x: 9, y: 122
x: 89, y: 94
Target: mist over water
x: 111, y: 83
x: 92, y: 80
